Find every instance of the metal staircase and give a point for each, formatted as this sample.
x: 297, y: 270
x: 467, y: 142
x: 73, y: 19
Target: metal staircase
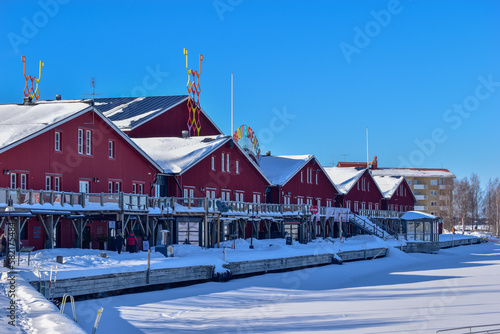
x: 368, y: 226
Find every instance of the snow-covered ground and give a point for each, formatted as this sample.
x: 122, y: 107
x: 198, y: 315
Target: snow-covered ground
x: 284, y: 302
x: 401, y: 293
x: 87, y: 262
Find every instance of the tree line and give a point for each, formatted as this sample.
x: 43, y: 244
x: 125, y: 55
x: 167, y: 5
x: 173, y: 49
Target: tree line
x: 466, y: 200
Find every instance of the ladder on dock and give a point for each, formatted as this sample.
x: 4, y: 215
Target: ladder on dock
x: 63, y: 304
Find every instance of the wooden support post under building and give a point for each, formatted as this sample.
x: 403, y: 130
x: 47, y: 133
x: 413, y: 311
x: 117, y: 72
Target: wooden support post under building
x: 50, y: 229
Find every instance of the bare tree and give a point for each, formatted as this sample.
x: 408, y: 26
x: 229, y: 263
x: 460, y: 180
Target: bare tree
x: 476, y: 197
x: 491, y: 204
x: 461, y: 203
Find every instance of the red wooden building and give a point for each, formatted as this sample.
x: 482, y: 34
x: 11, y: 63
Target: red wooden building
x: 298, y: 179
x: 214, y: 167
x: 357, y: 188
x: 398, y: 195
x: 67, y: 147
x: 153, y: 116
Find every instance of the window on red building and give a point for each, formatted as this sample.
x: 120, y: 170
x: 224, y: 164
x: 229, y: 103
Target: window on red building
x: 57, y: 141
x: 88, y: 147
x: 80, y: 141
x: 48, y: 183
x: 111, y: 149
x: 57, y: 183
x: 24, y: 181
x: 13, y: 180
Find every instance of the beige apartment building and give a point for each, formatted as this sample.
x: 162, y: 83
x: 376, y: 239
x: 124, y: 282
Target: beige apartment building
x: 432, y: 188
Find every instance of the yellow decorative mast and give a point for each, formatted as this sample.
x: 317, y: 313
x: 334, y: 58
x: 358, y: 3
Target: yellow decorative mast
x: 193, y: 103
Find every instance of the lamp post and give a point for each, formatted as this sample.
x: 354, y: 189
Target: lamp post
x: 10, y: 251
x: 251, y: 231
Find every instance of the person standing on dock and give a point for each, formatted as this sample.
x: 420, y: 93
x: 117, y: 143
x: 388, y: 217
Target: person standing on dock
x: 119, y: 243
x: 132, y: 242
x: 3, y: 245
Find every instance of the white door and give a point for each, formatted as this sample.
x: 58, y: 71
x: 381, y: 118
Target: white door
x: 84, y: 186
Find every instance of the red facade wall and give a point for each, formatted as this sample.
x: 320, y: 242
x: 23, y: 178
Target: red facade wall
x: 201, y: 177
x: 371, y: 194
x: 38, y: 158
x: 295, y: 188
x: 171, y: 123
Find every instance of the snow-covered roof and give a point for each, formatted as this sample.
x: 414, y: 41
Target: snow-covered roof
x: 18, y: 123
x: 279, y: 169
x: 176, y: 155
x: 413, y: 172
x: 388, y: 184
x: 130, y: 112
x: 344, y: 178
x: 417, y: 215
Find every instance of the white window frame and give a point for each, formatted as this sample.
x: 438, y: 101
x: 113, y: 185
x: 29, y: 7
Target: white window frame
x: 433, y: 192
x: 316, y: 178
x: 409, y: 182
x: 348, y: 204
x: 24, y: 181
x: 302, y: 176
x: 110, y: 187
x: 117, y: 186
x: 141, y: 188
x: 376, y: 206
x: 356, y: 206
x: 329, y: 203
x: 80, y: 141
x: 434, y: 182
x: 433, y: 203
x: 88, y: 142
x: 237, y: 166
x: 48, y: 183
x: 111, y: 149
x: 57, y: 141
x: 57, y: 183
x: 213, y: 163
x: 13, y: 180
x: 134, y: 188
x: 86, y: 186
x: 222, y: 167
x: 227, y: 163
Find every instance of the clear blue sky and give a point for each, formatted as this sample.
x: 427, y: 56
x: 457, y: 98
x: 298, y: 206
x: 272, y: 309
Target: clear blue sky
x: 335, y: 67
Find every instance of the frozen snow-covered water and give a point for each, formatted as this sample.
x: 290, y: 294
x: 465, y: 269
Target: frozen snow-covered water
x: 402, y: 293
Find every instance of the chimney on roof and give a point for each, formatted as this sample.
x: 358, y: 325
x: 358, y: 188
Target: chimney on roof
x: 268, y: 153
x: 185, y: 133
x: 58, y: 97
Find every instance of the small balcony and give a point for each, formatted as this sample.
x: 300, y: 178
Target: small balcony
x: 419, y: 186
x: 420, y: 197
x: 420, y: 207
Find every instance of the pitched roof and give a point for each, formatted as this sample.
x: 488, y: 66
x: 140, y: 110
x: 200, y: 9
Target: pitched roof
x: 20, y: 123
x: 281, y: 168
x: 344, y: 178
x: 388, y: 184
x: 130, y: 112
x: 413, y: 172
x: 175, y: 155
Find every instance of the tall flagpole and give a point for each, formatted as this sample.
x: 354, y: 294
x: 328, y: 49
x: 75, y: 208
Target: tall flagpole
x: 367, y: 157
x: 231, y: 103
